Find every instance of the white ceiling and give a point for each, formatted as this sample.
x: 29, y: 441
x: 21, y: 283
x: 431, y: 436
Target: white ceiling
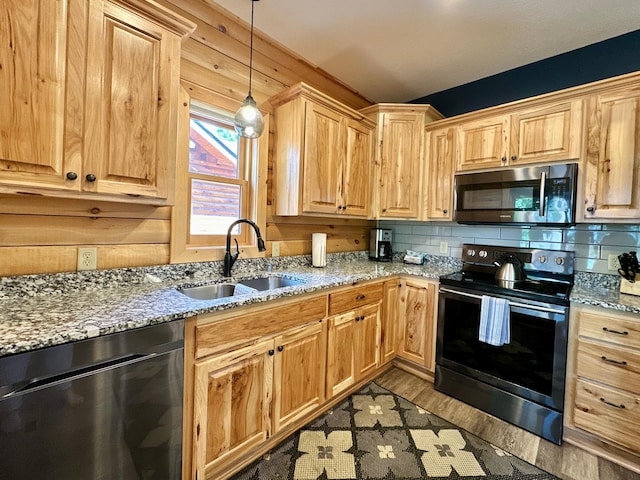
x: 400, y: 50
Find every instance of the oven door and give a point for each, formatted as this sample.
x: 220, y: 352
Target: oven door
x: 531, y: 366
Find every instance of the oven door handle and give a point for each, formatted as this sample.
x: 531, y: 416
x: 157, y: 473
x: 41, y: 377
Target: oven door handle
x: 515, y: 304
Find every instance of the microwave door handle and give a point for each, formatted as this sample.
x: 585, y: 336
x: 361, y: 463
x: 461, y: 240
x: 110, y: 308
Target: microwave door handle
x: 543, y: 186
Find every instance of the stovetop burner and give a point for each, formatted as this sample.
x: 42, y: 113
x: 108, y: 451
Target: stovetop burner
x: 549, y: 273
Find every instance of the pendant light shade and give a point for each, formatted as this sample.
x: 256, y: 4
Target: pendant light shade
x: 248, y: 121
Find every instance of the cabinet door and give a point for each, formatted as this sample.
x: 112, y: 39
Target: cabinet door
x: 323, y: 155
x: 612, y: 167
x: 341, y: 372
x: 299, y: 373
x: 41, y: 72
x: 389, y: 319
x: 133, y: 80
x: 437, y: 184
x: 547, y: 134
x: 416, y: 322
x: 356, y: 172
x: 232, y: 395
x: 401, y: 159
x: 366, y: 344
x: 483, y: 143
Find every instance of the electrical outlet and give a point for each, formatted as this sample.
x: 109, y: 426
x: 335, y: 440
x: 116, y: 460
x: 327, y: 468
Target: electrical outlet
x: 275, y: 249
x: 613, y: 262
x: 444, y: 247
x: 87, y: 258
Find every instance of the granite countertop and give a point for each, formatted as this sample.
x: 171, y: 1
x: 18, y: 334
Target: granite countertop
x: 40, y: 311
x: 44, y: 319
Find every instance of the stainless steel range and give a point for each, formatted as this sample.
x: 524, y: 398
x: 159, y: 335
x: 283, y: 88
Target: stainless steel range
x: 502, y: 342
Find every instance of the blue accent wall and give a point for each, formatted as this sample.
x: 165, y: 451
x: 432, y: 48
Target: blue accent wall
x: 605, y: 59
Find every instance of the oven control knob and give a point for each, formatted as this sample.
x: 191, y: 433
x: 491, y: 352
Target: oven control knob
x: 471, y: 252
x: 542, y: 259
x: 482, y: 253
x: 559, y: 260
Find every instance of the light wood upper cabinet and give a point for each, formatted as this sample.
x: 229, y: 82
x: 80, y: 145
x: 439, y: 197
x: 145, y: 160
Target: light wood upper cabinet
x: 437, y: 182
x: 399, y: 157
x: 94, y: 91
x: 612, y: 166
x: 42, y: 73
x: 131, y: 102
x: 323, y: 155
x: 483, y: 143
x: 417, y: 322
x: 545, y: 133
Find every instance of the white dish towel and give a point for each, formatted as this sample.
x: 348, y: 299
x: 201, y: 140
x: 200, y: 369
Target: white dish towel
x: 495, y: 321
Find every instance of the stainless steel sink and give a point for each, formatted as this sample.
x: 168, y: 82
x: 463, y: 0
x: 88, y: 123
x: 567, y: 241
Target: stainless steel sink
x: 210, y: 292
x: 270, y: 283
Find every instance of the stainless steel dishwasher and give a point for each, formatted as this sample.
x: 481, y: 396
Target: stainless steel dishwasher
x: 103, y: 408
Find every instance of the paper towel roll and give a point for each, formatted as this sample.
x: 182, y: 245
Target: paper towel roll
x: 319, y: 249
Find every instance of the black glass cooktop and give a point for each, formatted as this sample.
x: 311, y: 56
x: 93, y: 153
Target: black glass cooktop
x: 554, y: 290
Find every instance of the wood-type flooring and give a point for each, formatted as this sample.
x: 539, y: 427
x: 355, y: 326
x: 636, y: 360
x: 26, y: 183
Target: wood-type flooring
x: 566, y: 461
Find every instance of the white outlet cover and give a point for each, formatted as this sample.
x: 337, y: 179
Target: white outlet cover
x: 87, y: 258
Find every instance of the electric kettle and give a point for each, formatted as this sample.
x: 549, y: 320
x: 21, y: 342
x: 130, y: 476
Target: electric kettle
x: 510, y: 270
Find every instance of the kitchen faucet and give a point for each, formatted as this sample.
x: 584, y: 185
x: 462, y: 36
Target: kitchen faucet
x: 229, y: 258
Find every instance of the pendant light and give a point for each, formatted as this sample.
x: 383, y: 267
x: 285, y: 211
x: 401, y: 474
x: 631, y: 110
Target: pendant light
x: 248, y: 121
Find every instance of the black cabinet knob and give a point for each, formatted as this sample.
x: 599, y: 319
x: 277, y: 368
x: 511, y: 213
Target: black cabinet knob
x: 590, y: 209
x: 271, y: 352
x: 445, y: 211
x: 513, y: 157
x: 280, y: 348
x: 504, y: 159
x: 72, y: 175
x: 90, y: 177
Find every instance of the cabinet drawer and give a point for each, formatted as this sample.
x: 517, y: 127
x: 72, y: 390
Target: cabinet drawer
x: 616, y: 366
x: 254, y: 324
x: 354, y: 297
x: 608, y: 413
x: 615, y: 329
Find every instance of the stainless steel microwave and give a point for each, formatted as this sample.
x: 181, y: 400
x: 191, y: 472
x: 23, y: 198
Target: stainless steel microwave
x: 521, y: 196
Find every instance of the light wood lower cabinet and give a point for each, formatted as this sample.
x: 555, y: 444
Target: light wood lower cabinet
x: 299, y: 373
x: 389, y: 320
x: 352, y: 347
x: 244, y: 396
x: 232, y: 395
x: 605, y: 381
x: 417, y: 322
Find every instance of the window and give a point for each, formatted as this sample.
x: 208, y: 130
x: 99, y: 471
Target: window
x: 216, y: 184
x: 218, y: 161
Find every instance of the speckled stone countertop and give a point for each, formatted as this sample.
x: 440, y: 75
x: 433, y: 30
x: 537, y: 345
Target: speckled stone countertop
x: 43, y: 310
x: 40, y: 311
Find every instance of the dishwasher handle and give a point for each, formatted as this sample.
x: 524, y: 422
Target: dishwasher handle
x: 48, y: 381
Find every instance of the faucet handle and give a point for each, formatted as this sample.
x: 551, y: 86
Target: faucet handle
x: 237, y: 248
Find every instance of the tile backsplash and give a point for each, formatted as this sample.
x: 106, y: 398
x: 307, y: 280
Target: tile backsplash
x: 592, y: 243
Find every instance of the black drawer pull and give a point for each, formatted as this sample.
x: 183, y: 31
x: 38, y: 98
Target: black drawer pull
x: 616, y: 362
x: 620, y: 406
x: 361, y: 297
x: 605, y: 329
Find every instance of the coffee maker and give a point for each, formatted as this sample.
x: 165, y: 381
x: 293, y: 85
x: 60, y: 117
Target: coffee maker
x: 380, y: 245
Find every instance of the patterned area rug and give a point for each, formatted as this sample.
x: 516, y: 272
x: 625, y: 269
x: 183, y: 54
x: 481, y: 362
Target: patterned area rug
x: 375, y: 434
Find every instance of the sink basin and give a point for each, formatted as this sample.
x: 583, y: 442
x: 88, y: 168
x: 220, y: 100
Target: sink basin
x: 210, y: 292
x: 270, y: 283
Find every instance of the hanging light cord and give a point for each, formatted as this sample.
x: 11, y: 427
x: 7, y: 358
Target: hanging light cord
x: 251, y: 47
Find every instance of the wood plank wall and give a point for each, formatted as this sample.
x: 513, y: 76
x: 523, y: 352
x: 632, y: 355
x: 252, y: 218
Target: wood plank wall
x: 41, y: 235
